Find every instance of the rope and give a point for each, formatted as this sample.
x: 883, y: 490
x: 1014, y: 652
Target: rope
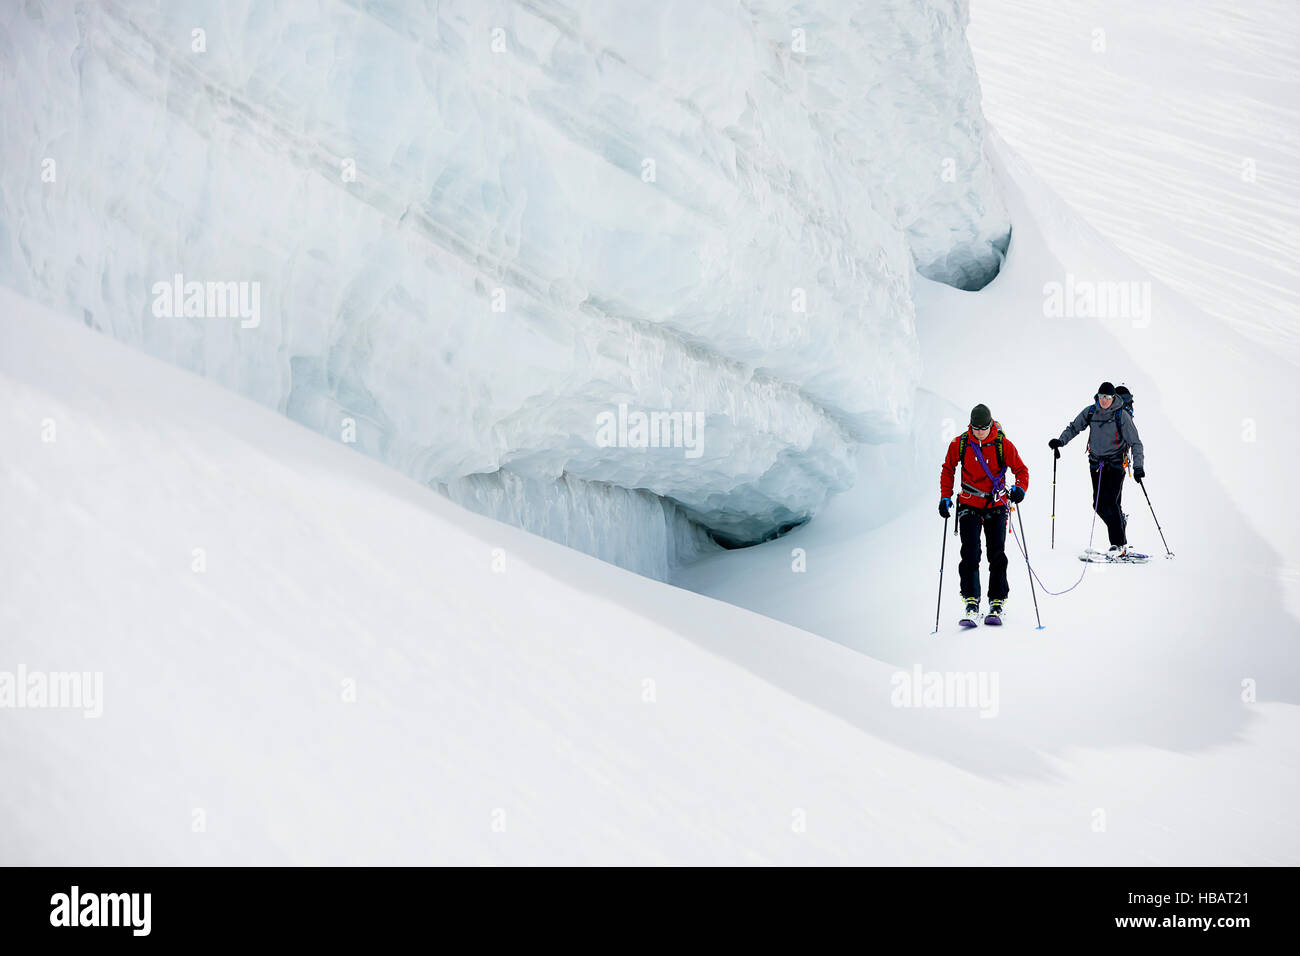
x: 1091, y: 531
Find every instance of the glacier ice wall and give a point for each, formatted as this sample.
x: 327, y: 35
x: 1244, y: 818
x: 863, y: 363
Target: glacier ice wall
x: 915, y: 77
x: 582, y: 513
x: 478, y: 229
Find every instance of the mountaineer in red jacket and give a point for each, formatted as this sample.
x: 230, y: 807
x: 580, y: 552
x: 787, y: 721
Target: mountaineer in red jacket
x: 985, y: 454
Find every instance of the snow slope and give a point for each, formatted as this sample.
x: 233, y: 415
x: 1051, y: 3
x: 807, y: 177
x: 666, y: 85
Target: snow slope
x: 1148, y: 662
x: 1172, y: 128
x: 495, y: 672
x: 519, y: 702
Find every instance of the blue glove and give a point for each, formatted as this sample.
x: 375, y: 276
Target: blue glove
x: 1016, y: 494
x: 944, y: 505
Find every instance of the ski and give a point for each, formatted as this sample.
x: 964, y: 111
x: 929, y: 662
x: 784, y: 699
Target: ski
x: 1105, y: 557
x: 993, y: 619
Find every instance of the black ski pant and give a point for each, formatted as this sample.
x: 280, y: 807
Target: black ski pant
x: 1110, y: 477
x: 992, y: 523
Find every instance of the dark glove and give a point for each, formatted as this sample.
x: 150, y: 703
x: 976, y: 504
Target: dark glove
x: 1138, y: 475
x: 944, y: 505
x: 1016, y: 494
x: 1055, y: 445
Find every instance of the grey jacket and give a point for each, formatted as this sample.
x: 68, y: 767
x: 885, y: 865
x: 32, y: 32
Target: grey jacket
x: 1110, y: 432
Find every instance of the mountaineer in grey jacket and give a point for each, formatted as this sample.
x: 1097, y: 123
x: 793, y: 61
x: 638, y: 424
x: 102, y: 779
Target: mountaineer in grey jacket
x: 1112, y: 436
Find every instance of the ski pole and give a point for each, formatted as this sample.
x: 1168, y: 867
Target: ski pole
x: 942, y: 553
x: 1054, y: 460
x: 1025, y: 544
x: 1168, y: 553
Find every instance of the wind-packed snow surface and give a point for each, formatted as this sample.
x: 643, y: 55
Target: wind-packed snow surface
x: 1173, y: 129
x: 474, y: 229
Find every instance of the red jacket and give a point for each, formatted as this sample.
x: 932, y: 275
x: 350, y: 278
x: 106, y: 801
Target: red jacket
x: 973, y: 476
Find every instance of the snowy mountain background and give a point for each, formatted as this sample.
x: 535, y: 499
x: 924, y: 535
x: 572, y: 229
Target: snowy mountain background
x: 314, y: 656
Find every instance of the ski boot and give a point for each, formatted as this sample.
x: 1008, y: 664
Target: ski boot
x: 995, y: 611
x: 1123, y: 554
x: 972, y: 616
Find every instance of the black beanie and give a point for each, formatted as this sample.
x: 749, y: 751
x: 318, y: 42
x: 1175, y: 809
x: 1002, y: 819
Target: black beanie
x: 1106, y: 389
x: 981, y: 417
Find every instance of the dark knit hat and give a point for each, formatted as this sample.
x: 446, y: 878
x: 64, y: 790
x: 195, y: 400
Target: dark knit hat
x: 981, y: 417
x: 1106, y: 389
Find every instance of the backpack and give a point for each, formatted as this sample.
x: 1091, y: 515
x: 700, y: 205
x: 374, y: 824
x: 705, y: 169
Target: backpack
x: 1125, y: 398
